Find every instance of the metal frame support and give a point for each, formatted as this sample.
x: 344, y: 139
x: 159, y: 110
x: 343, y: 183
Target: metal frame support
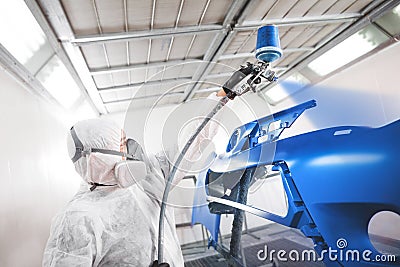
x: 251, y: 55
x: 152, y: 34
x: 159, y: 64
x: 307, y: 20
x: 171, y: 63
x: 142, y: 97
x: 247, y: 230
x: 236, y: 14
x: 228, y: 74
x: 147, y: 83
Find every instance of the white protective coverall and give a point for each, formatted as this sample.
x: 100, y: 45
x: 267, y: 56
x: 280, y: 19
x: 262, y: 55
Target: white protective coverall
x: 111, y: 226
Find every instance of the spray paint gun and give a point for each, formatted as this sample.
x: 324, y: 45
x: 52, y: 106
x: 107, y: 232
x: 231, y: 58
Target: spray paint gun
x: 243, y: 80
x: 248, y: 76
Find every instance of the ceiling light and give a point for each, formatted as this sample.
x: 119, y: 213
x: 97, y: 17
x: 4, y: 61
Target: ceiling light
x: 20, y: 33
x: 391, y: 21
x: 397, y: 10
x: 353, y: 47
x: 56, y: 79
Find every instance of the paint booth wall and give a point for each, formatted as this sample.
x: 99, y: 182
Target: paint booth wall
x: 36, y: 176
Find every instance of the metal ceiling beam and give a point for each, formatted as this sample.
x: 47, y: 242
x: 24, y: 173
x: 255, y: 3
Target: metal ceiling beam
x: 218, y: 75
x: 236, y: 13
x: 329, y: 43
x: 171, y: 63
x: 247, y: 55
x: 59, y: 23
x: 228, y: 74
x: 148, y: 34
x: 371, y: 6
x: 323, y: 19
x: 148, y: 83
x: 135, y: 67
x: 209, y: 90
x: 59, y: 51
x: 142, y: 97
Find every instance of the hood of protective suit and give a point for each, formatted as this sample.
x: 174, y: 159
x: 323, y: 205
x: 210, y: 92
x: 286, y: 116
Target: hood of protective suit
x: 97, y: 133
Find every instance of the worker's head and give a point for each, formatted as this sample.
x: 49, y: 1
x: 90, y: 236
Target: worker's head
x: 96, y: 134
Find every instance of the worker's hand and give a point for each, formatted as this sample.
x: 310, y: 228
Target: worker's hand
x: 221, y: 93
x: 156, y: 264
x: 238, y: 83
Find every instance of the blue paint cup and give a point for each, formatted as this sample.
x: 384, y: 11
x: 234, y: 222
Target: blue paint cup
x: 268, y: 48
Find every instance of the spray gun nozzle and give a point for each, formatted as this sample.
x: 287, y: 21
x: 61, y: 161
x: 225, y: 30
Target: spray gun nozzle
x: 270, y: 76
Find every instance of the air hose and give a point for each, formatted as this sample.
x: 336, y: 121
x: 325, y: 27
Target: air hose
x: 239, y: 214
x: 221, y: 104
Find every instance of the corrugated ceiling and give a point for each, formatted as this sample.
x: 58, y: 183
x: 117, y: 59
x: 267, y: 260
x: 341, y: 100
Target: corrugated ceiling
x: 138, y: 50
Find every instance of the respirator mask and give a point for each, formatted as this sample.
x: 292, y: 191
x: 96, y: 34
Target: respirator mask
x: 127, y: 172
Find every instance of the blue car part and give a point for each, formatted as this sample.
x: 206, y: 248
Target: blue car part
x: 335, y: 179
x: 201, y: 213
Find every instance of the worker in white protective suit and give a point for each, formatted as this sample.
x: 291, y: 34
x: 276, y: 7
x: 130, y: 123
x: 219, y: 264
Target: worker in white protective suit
x: 108, y: 225
x: 114, y: 220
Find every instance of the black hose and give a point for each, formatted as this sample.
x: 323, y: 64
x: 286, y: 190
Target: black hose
x: 239, y: 214
x: 168, y: 184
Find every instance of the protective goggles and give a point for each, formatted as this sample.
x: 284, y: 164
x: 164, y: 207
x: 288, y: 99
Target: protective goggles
x: 133, y: 148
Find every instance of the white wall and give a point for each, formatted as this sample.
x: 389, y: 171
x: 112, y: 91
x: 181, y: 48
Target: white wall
x: 36, y: 176
x: 366, y: 94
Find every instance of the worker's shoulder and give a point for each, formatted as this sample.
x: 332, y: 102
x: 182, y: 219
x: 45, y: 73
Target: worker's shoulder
x: 83, y: 204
